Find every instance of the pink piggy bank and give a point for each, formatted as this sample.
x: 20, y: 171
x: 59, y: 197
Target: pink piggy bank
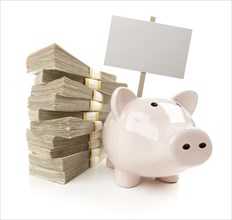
x: 153, y: 137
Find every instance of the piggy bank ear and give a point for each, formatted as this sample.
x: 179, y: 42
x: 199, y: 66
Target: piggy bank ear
x: 120, y: 97
x: 188, y: 99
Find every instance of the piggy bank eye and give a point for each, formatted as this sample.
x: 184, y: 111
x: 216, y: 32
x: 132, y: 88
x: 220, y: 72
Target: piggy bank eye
x: 154, y: 104
x: 178, y: 104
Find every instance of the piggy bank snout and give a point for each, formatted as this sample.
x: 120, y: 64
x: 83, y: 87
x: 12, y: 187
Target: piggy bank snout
x: 192, y: 147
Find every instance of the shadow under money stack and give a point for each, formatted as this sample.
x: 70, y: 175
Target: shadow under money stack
x: 67, y: 108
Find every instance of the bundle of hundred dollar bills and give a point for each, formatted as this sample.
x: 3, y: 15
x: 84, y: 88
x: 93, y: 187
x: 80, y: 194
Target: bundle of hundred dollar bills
x: 68, y: 104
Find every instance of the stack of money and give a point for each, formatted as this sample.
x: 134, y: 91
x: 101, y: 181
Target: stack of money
x: 67, y: 108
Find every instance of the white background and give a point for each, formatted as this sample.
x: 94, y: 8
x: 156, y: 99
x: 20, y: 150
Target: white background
x: 82, y: 29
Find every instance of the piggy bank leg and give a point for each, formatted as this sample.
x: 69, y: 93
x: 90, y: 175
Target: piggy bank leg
x: 169, y: 179
x: 109, y: 163
x: 125, y: 179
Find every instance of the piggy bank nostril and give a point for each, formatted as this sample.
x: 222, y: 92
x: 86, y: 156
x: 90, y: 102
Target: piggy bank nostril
x: 202, y: 145
x: 186, y: 146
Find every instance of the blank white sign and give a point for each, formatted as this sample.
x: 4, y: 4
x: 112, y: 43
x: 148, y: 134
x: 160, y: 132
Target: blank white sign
x: 147, y: 47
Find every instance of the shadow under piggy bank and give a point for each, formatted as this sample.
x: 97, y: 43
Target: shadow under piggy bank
x: 159, y: 187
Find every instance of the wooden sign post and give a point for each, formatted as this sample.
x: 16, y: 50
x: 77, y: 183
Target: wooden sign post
x: 143, y: 74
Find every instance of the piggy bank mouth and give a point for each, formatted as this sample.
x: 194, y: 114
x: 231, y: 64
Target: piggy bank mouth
x: 191, y: 146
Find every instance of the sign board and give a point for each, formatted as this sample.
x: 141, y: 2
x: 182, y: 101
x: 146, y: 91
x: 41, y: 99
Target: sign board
x: 147, y: 47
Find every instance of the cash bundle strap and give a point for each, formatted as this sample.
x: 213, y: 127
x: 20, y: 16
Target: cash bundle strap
x: 97, y: 96
x: 95, y: 106
x: 91, y: 116
x: 94, y: 160
x: 94, y: 135
x: 96, y: 144
x: 93, y: 84
x: 98, y: 125
x: 94, y: 74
